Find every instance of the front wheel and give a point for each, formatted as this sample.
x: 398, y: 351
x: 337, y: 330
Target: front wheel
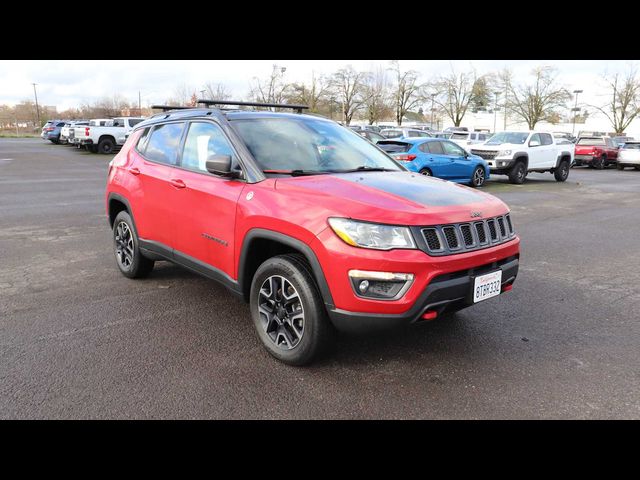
x: 287, y: 310
x: 106, y: 145
x: 126, y: 247
x: 478, y: 177
x: 426, y: 172
x: 562, y: 172
x: 518, y: 173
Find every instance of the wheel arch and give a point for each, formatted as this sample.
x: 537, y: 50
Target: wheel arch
x: 260, y: 244
x: 117, y: 203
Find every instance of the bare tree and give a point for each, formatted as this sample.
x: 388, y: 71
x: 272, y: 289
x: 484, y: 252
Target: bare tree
x: 181, y: 95
x: 315, y: 95
x: 624, y: 103
x: 408, y: 93
x: 377, y: 104
x: 217, y: 91
x: 271, y: 90
x: 538, y: 100
x: 348, y: 86
x: 454, y: 93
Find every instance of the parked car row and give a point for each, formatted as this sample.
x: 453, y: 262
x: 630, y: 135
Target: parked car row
x: 99, y: 135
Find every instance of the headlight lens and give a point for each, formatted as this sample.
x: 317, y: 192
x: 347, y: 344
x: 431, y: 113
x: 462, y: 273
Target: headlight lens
x: 372, y: 235
x: 505, y: 152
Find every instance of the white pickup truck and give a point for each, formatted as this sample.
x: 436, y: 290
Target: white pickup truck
x: 517, y: 153
x: 104, y: 139
x: 71, y: 133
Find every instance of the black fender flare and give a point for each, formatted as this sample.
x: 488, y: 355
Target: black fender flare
x: 306, y: 250
x: 561, y: 155
x: 120, y: 198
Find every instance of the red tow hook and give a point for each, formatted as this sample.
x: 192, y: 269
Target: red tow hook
x: 430, y: 315
x: 506, y: 288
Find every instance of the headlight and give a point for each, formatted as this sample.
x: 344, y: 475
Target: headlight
x: 372, y: 235
x: 505, y: 152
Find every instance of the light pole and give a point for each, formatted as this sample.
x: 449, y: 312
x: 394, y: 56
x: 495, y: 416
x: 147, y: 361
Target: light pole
x: 37, y: 107
x: 202, y: 93
x: 495, y: 111
x: 433, y: 96
x: 575, y: 109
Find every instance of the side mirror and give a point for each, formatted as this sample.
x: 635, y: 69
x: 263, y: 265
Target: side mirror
x: 534, y: 143
x: 220, y: 165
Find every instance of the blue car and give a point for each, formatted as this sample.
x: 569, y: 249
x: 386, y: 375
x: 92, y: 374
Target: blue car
x: 439, y: 158
x: 51, y: 130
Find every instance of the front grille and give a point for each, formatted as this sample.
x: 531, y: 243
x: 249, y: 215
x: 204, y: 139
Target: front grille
x: 432, y: 239
x: 452, y: 238
x: 465, y: 237
x: 486, y: 154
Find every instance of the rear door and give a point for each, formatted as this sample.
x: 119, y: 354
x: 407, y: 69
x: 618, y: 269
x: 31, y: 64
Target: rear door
x: 203, y: 205
x: 437, y: 161
x: 156, y: 157
x: 549, y: 150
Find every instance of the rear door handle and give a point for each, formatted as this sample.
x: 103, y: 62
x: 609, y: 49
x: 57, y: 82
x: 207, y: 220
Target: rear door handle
x: 134, y: 171
x: 177, y: 183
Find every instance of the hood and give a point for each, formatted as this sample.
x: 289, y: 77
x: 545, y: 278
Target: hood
x: 502, y: 146
x: 403, y: 198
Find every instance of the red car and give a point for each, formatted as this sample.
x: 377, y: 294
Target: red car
x: 307, y: 221
x: 597, y: 152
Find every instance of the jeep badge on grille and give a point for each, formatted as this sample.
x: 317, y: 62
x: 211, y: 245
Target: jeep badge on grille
x: 476, y: 214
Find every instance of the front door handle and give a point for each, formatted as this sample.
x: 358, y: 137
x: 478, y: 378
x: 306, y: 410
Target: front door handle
x: 177, y: 183
x: 134, y: 171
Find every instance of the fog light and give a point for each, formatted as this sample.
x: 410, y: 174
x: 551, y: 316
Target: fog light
x: 380, y: 285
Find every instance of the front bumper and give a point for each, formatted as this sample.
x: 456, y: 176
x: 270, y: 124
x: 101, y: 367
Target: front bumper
x: 349, y: 311
x: 499, y: 164
x: 445, y: 292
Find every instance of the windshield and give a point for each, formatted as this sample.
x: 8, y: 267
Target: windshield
x: 308, y: 144
x: 391, y: 133
x: 591, y: 141
x: 508, y: 137
x: 459, y: 136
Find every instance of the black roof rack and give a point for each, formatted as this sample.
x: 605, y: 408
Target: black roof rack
x: 166, y: 108
x: 297, y: 108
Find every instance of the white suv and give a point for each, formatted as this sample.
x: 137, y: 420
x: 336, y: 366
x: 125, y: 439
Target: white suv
x: 517, y: 153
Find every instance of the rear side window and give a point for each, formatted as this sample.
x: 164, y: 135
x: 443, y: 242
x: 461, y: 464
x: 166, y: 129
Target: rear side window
x: 204, y: 140
x: 142, y: 141
x: 163, y: 143
x: 436, y: 148
x: 134, y: 121
x: 60, y: 124
x: 545, y: 139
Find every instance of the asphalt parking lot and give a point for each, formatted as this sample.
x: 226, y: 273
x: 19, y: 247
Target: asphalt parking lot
x: 79, y: 340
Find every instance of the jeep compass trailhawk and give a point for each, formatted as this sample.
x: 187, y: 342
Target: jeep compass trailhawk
x: 305, y: 220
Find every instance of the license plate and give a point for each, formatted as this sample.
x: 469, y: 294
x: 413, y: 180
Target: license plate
x: 487, y: 286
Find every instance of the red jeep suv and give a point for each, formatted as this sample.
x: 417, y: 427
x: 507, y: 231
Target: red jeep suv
x: 305, y: 220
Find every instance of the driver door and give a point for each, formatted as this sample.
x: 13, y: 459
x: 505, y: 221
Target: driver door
x: 458, y: 166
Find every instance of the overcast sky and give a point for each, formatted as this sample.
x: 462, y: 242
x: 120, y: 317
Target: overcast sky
x: 68, y: 83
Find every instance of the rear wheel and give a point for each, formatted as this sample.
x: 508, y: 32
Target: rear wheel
x: 130, y: 260
x: 92, y: 148
x: 426, y: 172
x: 287, y: 310
x: 518, y: 173
x: 106, y: 145
x: 600, y: 163
x: 478, y: 177
x: 562, y: 172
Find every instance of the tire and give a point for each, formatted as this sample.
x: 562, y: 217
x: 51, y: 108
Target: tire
x: 600, y: 163
x: 637, y: 168
x: 561, y: 173
x: 92, y: 148
x: 518, y: 173
x: 619, y: 167
x: 130, y: 261
x: 478, y: 177
x: 426, y: 172
x: 106, y: 146
x: 286, y: 336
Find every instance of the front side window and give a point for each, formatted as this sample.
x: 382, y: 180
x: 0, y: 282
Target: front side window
x: 204, y: 140
x: 452, y: 149
x: 436, y: 148
x: 308, y: 144
x: 535, y: 138
x: 164, y: 142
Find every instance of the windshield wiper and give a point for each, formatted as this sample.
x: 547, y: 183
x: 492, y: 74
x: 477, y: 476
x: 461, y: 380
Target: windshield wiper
x: 297, y: 173
x: 365, y: 168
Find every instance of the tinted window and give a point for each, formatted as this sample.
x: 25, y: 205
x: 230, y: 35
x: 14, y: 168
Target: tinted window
x: 204, y: 140
x: 134, y: 121
x: 413, y: 134
x: 631, y: 146
x: 163, y: 143
x: 142, y: 140
x: 482, y: 137
x: 436, y: 148
x: 452, y: 149
x: 546, y: 139
x: 60, y: 124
